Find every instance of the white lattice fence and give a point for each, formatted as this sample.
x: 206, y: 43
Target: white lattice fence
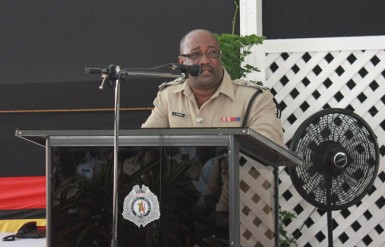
x: 307, y: 75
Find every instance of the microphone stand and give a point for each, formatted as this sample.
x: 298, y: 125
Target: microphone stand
x: 113, y: 73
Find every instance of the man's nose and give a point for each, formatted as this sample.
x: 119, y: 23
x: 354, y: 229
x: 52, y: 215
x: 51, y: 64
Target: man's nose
x: 204, y: 59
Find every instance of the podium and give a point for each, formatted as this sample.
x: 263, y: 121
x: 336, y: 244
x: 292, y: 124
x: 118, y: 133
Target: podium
x: 170, y: 162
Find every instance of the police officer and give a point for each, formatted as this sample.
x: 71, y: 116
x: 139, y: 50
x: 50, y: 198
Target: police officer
x: 212, y: 99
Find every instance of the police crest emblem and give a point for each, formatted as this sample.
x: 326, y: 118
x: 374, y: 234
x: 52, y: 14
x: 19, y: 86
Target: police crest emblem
x: 141, y: 206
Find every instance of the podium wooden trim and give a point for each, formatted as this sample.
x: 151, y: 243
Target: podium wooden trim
x: 237, y: 140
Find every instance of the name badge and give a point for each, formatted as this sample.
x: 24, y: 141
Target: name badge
x: 178, y: 114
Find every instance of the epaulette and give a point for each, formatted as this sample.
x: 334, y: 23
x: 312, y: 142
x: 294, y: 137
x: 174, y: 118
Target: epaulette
x: 177, y: 81
x: 248, y: 83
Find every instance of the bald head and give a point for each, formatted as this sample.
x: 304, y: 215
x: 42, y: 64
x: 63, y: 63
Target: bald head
x: 193, y: 36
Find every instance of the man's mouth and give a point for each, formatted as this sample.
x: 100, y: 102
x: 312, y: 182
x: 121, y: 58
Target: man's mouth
x: 206, y: 71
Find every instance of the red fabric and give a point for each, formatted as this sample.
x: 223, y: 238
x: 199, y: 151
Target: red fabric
x: 22, y: 193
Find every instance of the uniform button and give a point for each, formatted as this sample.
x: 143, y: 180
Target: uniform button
x: 199, y: 119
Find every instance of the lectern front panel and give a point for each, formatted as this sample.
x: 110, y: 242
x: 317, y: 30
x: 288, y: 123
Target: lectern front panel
x: 179, y: 202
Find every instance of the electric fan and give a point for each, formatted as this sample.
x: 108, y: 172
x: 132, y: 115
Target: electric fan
x: 341, y: 160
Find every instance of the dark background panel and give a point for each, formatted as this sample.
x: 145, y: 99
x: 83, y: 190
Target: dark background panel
x: 80, y: 94
x: 328, y: 18
x: 53, y: 41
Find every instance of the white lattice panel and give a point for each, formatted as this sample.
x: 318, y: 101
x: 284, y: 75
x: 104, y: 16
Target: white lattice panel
x: 256, y: 204
x: 312, y: 74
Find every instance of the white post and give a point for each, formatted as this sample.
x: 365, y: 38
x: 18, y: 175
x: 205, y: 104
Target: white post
x: 250, y: 16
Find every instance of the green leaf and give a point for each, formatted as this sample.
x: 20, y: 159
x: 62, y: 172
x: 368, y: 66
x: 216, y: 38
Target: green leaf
x: 235, y: 49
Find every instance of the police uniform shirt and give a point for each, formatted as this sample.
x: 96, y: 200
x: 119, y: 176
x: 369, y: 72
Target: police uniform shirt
x: 175, y: 107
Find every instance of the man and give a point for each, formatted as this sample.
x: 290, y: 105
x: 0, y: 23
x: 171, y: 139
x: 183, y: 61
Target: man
x: 212, y: 99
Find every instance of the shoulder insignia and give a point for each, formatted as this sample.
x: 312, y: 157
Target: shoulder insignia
x: 177, y: 81
x: 248, y: 83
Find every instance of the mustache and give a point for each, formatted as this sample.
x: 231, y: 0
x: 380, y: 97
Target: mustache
x: 207, y: 67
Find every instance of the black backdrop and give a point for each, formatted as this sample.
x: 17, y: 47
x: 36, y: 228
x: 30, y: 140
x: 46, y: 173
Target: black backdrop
x: 53, y: 40
x: 45, y: 46
x: 284, y: 19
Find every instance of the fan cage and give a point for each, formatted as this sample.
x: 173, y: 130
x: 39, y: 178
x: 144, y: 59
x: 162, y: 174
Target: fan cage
x: 323, y: 181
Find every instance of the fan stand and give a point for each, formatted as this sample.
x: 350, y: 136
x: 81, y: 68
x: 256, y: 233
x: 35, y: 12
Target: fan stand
x: 337, y: 160
x: 329, y: 214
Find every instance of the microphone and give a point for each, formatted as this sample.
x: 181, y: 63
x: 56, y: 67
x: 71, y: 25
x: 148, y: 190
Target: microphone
x: 193, y: 70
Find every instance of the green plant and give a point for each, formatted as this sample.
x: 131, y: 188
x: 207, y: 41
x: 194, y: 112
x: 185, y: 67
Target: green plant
x: 235, y: 48
x: 285, y: 240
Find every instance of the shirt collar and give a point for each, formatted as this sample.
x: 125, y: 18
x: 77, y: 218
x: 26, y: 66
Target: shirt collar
x: 226, y: 87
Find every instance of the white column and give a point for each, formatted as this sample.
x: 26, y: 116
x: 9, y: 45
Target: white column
x: 250, y: 17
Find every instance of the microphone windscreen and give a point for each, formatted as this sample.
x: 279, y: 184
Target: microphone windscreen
x: 95, y: 71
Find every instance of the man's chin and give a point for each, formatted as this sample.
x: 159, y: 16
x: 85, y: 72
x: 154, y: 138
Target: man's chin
x: 207, y: 84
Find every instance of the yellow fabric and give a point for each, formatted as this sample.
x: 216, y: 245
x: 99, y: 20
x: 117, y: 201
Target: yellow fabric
x: 14, y: 225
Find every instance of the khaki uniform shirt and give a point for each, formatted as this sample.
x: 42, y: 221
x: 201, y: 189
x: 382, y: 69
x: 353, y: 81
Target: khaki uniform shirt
x: 175, y: 107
